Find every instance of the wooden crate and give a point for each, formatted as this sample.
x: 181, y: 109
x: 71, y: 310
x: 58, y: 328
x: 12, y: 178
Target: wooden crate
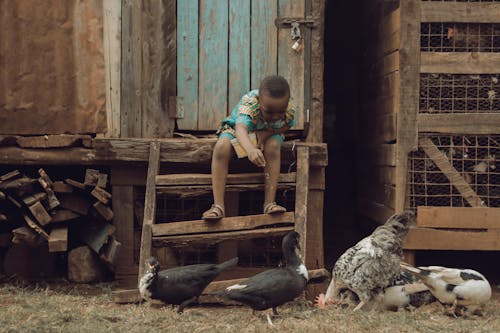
x: 429, y: 119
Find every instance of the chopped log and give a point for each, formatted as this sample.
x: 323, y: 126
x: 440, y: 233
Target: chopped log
x: 103, y: 211
x: 58, y: 239
x: 2, y: 195
x: 32, y: 224
x: 31, y: 199
x: 75, y: 183
x: 127, y: 296
x: 110, y: 252
x: 62, y: 215
x: 101, y: 194
x: 102, y: 180
x: 76, y: 203
x: 91, y: 177
x: 45, y: 177
x: 84, y: 266
x: 9, y: 175
x: 52, y: 199
x: 19, y: 187
x: 3, y: 218
x: 25, y: 235
x: 95, y: 234
x: 40, y: 213
x: 62, y: 187
x: 14, y: 201
x: 51, y: 141
x: 30, y: 261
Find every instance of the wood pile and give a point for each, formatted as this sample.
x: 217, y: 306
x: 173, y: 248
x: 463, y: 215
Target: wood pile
x: 64, y: 213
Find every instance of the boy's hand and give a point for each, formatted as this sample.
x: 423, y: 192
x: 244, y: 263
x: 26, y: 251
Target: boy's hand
x: 256, y: 157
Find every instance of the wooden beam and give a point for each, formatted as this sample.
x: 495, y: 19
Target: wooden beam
x: 224, y: 224
x: 186, y: 191
x: 301, y: 198
x: 470, y: 123
x: 51, y: 141
x: 451, y: 173
x: 459, y: 62
x: 436, y: 239
x: 315, y: 200
x: 409, y: 85
x: 108, y: 151
x: 149, y: 205
x: 214, y: 238
x: 206, y: 179
x: 460, y: 12
x: 58, y: 239
x: 112, y: 20
x: 459, y: 217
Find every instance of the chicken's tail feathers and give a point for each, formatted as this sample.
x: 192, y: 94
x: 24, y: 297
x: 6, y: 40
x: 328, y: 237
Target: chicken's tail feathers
x: 410, y: 268
x: 231, y: 262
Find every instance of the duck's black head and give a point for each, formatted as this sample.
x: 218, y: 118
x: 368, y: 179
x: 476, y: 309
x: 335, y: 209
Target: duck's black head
x: 290, y: 243
x: 152, y: 265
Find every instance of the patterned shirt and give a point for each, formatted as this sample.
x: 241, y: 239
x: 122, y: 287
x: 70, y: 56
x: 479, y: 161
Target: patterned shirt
x: 248, y: 112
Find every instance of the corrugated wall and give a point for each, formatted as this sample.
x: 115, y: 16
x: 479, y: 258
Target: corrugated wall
x: 51, y: 67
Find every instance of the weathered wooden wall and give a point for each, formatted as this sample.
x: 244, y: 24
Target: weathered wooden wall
x: 51, y: 67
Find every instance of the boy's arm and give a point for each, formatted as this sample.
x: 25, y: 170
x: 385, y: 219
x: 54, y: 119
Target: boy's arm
x: 254, y: 155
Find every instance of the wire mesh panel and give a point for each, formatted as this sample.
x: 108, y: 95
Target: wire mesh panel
x: 475, y: 157
x: 460, y: 37
x: 459, y: 93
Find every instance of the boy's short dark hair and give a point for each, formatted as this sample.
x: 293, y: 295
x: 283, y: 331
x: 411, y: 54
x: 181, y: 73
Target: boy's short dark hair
x: 275, y: 86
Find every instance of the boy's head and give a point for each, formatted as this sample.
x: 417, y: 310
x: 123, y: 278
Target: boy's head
x: 274, y: 94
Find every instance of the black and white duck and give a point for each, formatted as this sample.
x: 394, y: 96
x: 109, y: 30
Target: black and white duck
x: 179, y: 285
x: 273, y: 287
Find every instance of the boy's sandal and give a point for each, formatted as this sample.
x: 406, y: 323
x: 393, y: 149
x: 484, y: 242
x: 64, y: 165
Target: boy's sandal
x: 273, y: 208
x: 216, y: 212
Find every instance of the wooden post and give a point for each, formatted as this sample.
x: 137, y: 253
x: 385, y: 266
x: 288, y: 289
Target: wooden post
x: 150, y: 205
x: 301, y: 197
x: 229, y: 249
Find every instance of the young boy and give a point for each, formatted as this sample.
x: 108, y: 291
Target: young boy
x: 268, y: 113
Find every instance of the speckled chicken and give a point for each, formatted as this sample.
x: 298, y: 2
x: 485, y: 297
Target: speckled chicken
x: 372, y: 264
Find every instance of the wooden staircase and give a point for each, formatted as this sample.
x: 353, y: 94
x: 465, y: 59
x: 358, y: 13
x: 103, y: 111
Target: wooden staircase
x: 228, y: 228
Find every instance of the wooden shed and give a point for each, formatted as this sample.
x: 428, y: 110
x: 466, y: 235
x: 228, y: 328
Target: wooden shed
x: 95, y: 83
x: 430, y: 121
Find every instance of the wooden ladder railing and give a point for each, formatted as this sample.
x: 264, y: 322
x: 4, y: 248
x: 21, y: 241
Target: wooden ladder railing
x: 228, y: 228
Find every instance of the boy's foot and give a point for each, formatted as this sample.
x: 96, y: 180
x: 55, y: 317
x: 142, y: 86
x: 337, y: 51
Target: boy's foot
x: 216, y: 212
x: 273, y: 208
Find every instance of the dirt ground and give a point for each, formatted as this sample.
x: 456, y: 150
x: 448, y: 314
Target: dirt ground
x: 43, y: 307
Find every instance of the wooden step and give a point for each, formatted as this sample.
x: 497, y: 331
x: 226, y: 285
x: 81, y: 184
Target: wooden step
x: 225, y: 224
x: 232, y: 179
x: 217, y: 237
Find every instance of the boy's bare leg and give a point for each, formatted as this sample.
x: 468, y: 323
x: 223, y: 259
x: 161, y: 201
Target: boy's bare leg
x: 272, y: 153
x: 223, y: 151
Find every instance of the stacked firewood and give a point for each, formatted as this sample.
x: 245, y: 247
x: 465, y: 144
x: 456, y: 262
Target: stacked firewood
x: 64, y: 213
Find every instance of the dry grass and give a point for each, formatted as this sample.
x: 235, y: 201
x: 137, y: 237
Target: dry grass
x: 69, y: 308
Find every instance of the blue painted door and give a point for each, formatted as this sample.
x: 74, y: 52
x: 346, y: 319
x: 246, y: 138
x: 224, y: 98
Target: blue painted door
x: 224, y: 49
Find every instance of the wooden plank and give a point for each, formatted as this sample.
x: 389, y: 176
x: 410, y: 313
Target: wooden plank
x: 131, y: 92
x: 155, y: 51
x: 58, y: 239
x: 290, y: 62
x: 123, y: 220
x: 104, y: 211
x: 301, y: 198
x: 451, y: 173
x: 213, y: 62
x: 470, y: 123
x: 224, y: 224
x: 239, y: 51
x: 95, y: 234
x: 460, y: 12
x: 109, y: 151
x: 75, y: 183
x: 101, y: 194
x: 436, y: 239
x: 10, y: 175
x: 61, y: 187
x: 314, y: 241
x: 75, y: 202
x: 24, y: 235
x: 229, y: 249
x: 317, y: 50
x: 169, y: 73
x: 62, y: 215
x: 206, y: 179
x: 35, y: 227
x: 217, y: 237
x: 112, y: 17
x: 459, y: 217
x: 187, y: 64
x: 149, y: 205
x: 51, y: 141
x: 186, y: 191
x: 264, y: 41
x: 409, y: 85
x: 459, y: 62
x: 33, y: 198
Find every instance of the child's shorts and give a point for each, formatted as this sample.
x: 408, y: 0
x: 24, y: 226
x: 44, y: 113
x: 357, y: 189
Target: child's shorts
x: 278, y: 137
